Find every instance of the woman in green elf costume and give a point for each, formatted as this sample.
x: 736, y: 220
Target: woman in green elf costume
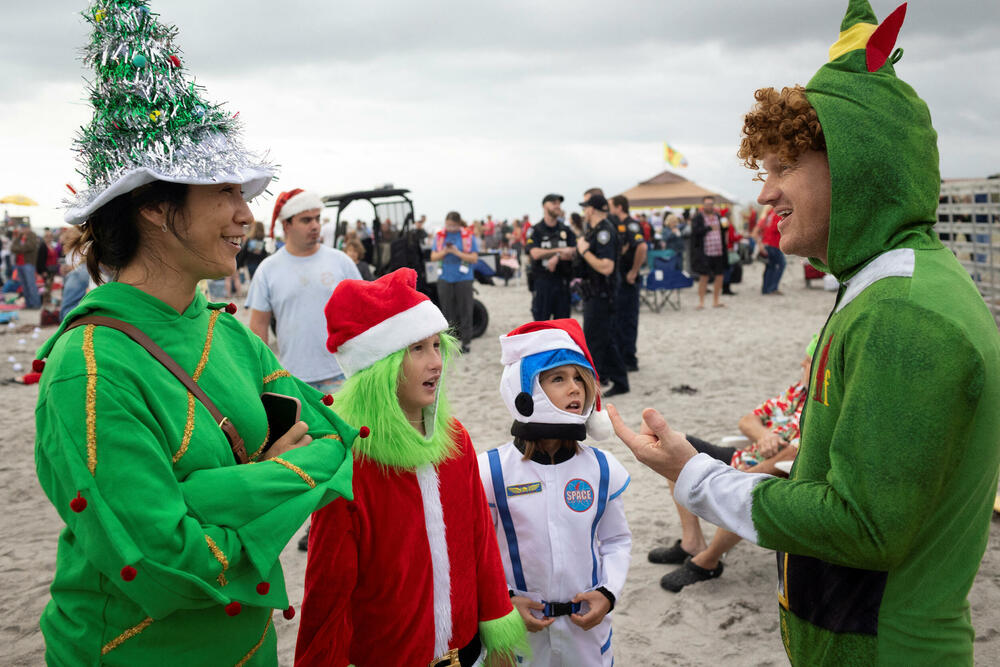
x: 884, y: 520
x: 175, y: 511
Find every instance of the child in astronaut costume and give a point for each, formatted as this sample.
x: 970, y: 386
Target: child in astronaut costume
x: 556, y: 503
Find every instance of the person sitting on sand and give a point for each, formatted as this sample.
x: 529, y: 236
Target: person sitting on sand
x: 773, y: 430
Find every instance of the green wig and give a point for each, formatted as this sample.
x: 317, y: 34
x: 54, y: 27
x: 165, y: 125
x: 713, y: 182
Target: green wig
x: 369, y: 398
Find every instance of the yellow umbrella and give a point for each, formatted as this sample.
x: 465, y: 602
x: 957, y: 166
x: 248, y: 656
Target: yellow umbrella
x: 20, y: 200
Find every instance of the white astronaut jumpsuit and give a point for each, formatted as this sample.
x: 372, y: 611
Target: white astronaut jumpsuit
x: 561, y: 529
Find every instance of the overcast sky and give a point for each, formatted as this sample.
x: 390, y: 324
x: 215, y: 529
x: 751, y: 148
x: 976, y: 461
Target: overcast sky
x: 486, y: 107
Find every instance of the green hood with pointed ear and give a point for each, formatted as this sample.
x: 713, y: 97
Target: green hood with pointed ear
x: 881, y: 147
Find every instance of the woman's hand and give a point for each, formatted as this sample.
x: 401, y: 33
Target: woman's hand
x: 295, y: 437
x: 769, y: 444
x: 523, y: 606
x: 599, y: 608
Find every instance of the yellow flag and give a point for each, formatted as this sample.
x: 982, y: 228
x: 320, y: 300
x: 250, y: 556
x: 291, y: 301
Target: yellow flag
x: 673, y: 157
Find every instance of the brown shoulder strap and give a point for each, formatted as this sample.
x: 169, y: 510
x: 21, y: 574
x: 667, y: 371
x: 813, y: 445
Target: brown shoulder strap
x: 235, y: 441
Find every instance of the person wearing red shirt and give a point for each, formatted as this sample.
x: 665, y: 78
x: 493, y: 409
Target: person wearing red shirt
x: 769, y: 236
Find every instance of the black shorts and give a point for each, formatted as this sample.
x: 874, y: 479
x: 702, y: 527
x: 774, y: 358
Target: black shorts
x: 724, y: 454
x: 709, y: 266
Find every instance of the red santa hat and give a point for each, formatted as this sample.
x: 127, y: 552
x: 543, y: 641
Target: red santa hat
x: 368, y: 321
x: 292, y: 203
x: 526, y: 352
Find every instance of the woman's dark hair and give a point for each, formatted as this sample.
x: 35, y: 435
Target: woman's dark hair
x: 111, y: 236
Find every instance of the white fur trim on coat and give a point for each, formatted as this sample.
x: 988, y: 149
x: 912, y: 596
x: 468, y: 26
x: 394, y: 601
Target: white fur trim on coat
x: 391, y: 334
x: 437, y: 542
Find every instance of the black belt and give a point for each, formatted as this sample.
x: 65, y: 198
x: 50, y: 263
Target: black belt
x: 467, y: 655
x: 553, y: 609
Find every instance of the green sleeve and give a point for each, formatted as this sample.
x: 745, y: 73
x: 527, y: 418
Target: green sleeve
x: 908, y: 380
x: 266, y: 502
x: 139, y: 516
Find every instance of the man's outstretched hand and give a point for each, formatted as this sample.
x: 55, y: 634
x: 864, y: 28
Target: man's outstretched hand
x: 656, y: 445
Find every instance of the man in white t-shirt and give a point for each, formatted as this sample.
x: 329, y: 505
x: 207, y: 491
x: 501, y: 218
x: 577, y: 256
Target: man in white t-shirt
x: 294, y: 285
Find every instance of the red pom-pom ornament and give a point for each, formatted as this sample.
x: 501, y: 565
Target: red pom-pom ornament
x: 38, y: 365
x: 78, y: 504
x: 231, y: 309
x: 364, y: 432
x: 289, y: 613
x: 234, y: 608
x: 328, y: 399
x: 263, y: 588
x: 175, y: 61
x: 128, y: 573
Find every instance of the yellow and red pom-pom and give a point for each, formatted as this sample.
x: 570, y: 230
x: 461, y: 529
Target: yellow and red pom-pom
x: 263, y: 588
x: 231, y: 309
x: 364, y: 432
x: 78, y: 504
x: 234, y: 608
x: 38, y: 365
x: 128, y: 573
x: 289, y: 613
x: 328, y: 400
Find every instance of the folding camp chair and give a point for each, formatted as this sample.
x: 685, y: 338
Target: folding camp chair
x: 663, y: 286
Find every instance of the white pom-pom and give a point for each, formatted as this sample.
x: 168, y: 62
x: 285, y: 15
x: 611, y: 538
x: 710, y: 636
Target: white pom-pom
x: 599, y: 426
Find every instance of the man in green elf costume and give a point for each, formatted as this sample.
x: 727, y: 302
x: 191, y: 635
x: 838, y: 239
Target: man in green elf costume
x: 882, y: 525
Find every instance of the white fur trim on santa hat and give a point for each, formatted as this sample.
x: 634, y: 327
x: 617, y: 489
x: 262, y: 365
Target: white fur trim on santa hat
x: 437, y: 542
x: 304, y: 201
x: 517, y: 347
x: 391, y: 334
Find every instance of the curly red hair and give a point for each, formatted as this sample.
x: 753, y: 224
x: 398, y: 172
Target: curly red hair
x: 783, y: 124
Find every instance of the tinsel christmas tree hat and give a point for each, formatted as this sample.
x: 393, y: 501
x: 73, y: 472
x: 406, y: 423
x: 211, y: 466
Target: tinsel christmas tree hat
x: 150, y: 121
x: 880, y: 144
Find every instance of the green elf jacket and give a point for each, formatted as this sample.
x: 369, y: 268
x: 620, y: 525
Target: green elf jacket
x: 883, y: 524
x: 170, y: 551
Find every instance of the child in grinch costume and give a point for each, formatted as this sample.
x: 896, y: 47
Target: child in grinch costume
x: 408, y: 573
x: 882, y: 526
x: 170, y: 551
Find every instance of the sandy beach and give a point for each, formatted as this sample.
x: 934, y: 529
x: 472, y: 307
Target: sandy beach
x: 734, y: 356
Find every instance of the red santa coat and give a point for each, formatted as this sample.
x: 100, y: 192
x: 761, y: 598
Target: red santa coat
x: 378, y: 586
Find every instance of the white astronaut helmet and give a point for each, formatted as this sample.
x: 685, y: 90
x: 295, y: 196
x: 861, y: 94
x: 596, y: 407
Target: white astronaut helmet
x: 531, y: 349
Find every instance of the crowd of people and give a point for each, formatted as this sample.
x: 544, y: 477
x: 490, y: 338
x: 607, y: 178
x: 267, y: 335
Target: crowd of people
x: 183, y: 455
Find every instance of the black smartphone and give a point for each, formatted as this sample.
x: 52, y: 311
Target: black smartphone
x: 283, y: 412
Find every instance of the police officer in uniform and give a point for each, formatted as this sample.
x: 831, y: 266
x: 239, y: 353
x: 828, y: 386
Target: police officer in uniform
x: 552, y: 247
x: 599, y: 254
x: 634, y: 250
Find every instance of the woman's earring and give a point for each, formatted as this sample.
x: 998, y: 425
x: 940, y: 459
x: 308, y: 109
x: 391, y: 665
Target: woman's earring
x: 164, y: 228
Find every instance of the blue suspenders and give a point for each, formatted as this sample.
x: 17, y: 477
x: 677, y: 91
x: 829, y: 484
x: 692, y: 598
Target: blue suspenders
x: 500, y: 496
x: 602, y: 501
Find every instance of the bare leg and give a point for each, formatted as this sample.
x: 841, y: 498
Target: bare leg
x: 717, y: 290
x: 692, y: 539
x: 702, y: 288
x: 722, y: 542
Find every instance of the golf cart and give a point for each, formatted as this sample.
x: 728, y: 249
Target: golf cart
x: 393, y: 241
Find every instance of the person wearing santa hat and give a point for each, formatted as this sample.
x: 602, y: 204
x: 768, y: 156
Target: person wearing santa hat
x: 556, y: 504
x: 408, y: 573
x: 292, y: 286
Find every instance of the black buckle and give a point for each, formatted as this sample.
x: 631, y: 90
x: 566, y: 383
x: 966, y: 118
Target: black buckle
x: 553, y: 609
